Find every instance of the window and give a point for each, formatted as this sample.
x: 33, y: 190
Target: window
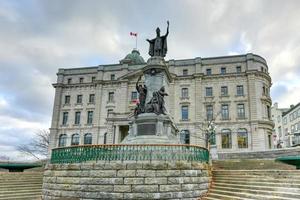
x: 112, y: 77
x: 93, y: 79
x: 65, y: 118
x: 185, y: 72
x: 79, y: 98
x: 67, y: 99
x: 185, y: 137
x: 261, y: 69
x: 208, y: 91
x: 88, y: 138
x: 62, y: 141
x: 209, y: 112
x: 278, y: 118
x: 226, y: 139
x: 109, y: 111
x: 111, y: 96
x: 269, y: 112
x: 69, y: 80
x: 90, y: 117
x: 77, y: 117
x: 80, y: 80
x: 184, y: 92
x: 105, y: 138
x: 208, y: 72
x: 239, y: 90
x: 241, y: 111
x: 224, y: 91
x: 242, y: 138
x: 75, y: 139
x: 238, y: 69
x: 92, y: 98
x: 223, y: 70
x: 264, y: 90
x: 225, y: 112
x: 134, y: 96
x: 284, y: 120
x: 184, y: 112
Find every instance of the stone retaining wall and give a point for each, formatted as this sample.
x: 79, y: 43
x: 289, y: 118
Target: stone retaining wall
x: 134, y: 180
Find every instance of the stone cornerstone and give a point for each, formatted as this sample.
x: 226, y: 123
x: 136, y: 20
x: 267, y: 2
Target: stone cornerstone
x: 130, y: 180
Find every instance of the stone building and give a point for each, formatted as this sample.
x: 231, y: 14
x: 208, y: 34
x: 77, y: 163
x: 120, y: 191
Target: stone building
x: 287, y: 124
x: 93, y: 104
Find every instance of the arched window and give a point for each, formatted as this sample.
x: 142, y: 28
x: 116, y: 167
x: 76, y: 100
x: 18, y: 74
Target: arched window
x: 105, y: 138
x: 226, y: 139
x: 62, y: 141
x: 242, y: 138
x: 88, y: 138
x: 185, y: 137
x: 75, y: 139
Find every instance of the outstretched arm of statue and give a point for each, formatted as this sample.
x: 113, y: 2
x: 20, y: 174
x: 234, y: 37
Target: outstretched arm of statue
x: 167, y: 28
x: 150, y: 41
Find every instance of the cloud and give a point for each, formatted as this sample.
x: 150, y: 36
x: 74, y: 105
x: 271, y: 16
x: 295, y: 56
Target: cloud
x: 38, y: 37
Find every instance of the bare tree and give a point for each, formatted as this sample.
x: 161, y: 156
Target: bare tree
x: 38, y: 146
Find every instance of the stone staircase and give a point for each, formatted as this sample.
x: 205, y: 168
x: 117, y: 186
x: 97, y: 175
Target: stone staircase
x: 23, y: 185
x: 255, y: 185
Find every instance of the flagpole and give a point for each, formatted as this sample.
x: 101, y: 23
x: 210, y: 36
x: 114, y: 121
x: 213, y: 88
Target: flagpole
x: 136, y: 42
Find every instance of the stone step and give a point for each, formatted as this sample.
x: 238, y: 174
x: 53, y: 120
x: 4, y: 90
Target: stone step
x: 20, y: 185
x: 261, y: 179
x: 260, y: 187
x: 17, y: 189
x: 23, y: 197
x: 259, y: 183
x: 259, y: 192
x: 215, y: 196
x: 247, y: 194
x: 21, y: 194
x: 256, y: 172
x: 35, y: 190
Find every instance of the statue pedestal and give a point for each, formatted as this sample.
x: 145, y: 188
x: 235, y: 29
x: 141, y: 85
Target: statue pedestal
x: 149, y: 128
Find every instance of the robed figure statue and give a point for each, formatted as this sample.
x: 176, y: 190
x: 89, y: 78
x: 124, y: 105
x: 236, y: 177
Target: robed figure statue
x: 158, y: 46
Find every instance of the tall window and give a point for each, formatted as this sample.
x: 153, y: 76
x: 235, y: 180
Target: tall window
x: 67, y: 99
x: 69, y: 80
x: 239, y: 90
x: 184, y: 92
x: 226, y: 139
x: 134, y: 96
x: 77, y: 117
x: 90, y: 117
x: 88, y: 138
x: 62, y: 141
x: 111, y: 96
x: 185, y: 137
x: 223, y: 70
x: 105, y: 138
x: 269, y: 112
x: 241, y: 111
x: 93, y: 79
x: 79, y: 98
x: 208, y: 71
x: 209, y: 112
x: 80, y: 80
x: 224, y: 91
x: 184, y: 112
x: 238, y: 69
x: 75, y: 139
x: 112, y: 77
x: 225, y: 112
x: 208, y: 91
x: 242, y: 137
x: 185, y: 72
x: 65, y: 118
x: 92, y: 98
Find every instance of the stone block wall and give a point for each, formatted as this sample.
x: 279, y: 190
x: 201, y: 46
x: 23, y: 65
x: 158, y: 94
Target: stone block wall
x: 130, y: 180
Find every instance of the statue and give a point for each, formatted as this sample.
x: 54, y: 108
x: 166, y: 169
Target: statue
x: 158, y: 45
x: 157, y: 103
x: 142, y: 97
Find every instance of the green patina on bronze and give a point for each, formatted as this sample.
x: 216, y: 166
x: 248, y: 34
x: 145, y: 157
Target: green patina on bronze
x: 84, y: 153
x: 291, y: 160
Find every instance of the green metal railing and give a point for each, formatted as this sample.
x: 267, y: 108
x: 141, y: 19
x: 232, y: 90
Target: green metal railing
x: 129, y: 152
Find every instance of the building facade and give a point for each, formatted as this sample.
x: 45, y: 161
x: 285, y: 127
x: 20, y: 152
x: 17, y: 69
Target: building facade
x: 93, y: 105
x: 287, y: 125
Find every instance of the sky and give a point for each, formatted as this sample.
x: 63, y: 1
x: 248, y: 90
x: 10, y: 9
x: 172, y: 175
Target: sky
x: 37, y: 37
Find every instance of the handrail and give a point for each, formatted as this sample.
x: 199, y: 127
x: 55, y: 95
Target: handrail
x: 134, y: 152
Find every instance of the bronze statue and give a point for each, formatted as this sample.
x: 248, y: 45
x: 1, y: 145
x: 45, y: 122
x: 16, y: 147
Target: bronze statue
x: 158, y: 46
x: 142, y: 96
x: 157, y: 103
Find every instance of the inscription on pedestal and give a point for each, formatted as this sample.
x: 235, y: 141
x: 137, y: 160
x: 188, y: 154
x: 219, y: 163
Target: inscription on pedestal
x: 146, y: 129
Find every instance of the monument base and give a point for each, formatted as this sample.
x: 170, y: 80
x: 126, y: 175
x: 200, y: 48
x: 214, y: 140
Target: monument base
x: 149, y: 128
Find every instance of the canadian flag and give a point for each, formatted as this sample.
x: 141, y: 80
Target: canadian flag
x: 133, y: 34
